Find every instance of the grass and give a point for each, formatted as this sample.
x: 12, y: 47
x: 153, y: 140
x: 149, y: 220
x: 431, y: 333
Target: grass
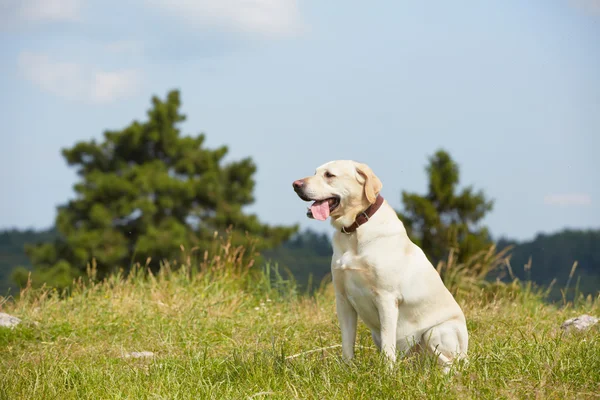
x: 220, y: 332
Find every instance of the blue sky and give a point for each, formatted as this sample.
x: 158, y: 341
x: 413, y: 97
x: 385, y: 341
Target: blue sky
x: 511, y: 88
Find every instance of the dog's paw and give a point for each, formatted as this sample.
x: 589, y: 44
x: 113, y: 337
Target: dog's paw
x: 348, y: 361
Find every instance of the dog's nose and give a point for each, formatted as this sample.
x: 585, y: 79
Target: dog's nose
x: 298, y: 184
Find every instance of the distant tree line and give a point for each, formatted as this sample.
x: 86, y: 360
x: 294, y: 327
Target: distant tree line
x: 552, y: 256
x: 12, y: 253
x: 307, y: 256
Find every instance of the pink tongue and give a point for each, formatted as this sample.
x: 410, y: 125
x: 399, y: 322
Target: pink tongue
x: 320, y: 210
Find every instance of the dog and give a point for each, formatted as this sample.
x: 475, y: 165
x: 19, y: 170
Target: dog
x: 378, y: 273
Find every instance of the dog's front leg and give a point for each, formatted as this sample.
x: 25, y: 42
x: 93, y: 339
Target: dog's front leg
x: 348, y: 321
x: 388, y: 318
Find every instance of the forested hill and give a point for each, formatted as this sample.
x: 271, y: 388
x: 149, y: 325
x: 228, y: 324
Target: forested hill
x: 12, y: 252
x: 309, y: 253
x: 553, y: 255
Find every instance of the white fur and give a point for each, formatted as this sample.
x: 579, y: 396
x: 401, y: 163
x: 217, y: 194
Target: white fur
x: 381, y: 276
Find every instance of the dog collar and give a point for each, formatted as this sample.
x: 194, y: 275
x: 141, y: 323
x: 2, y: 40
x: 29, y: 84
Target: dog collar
x: 364, y: 216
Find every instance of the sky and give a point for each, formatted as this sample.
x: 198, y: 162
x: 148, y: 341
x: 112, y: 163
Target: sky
x: 510, y: 88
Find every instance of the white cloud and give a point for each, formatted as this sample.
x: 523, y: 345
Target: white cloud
x: 18, y: 11
x: 568, y: 199
x: 77, y: 81
x: 266, y: 17
x: 109, y: 86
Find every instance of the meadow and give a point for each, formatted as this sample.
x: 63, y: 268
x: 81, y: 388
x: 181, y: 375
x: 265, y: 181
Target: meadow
x: 222, y: 328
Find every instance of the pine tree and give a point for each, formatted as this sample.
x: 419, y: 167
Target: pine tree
x: 443, y: 219
x: 144, y: 192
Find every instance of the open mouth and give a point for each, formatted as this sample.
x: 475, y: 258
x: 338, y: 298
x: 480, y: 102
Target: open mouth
x: 321, y: 209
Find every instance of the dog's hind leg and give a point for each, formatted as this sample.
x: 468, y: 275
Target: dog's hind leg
x: 448, y: 341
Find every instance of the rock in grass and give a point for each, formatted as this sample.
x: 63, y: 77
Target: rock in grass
x: 580, y: 323
x: 139, y: 354
x: 8, y: 321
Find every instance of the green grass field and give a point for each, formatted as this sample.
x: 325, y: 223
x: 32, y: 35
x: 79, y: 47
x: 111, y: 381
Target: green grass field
x: 225, y: 334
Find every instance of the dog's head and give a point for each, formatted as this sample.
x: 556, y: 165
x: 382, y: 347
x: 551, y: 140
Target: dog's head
x: 340, y: 189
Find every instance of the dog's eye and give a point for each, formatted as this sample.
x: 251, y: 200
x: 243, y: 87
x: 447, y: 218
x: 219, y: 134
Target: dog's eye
x: 329, y: 174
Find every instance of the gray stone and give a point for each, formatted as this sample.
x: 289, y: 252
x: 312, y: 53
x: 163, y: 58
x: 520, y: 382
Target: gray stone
x: 8, y: 321
x: 580, y: 323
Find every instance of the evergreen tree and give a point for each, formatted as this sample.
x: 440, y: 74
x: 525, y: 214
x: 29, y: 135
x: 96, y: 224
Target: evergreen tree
x: 443, y: 219
x: 144, y: 192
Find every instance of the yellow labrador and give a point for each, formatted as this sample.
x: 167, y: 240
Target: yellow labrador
x: 379, y: 274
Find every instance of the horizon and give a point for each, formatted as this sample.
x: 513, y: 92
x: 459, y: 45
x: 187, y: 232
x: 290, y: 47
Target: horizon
x: 387, y: 86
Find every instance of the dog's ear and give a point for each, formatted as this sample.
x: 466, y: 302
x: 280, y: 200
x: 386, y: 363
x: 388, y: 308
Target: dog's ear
x: 372, y: 184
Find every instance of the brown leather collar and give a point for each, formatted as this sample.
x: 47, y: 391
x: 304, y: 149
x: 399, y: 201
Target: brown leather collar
x: 364, y: 216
